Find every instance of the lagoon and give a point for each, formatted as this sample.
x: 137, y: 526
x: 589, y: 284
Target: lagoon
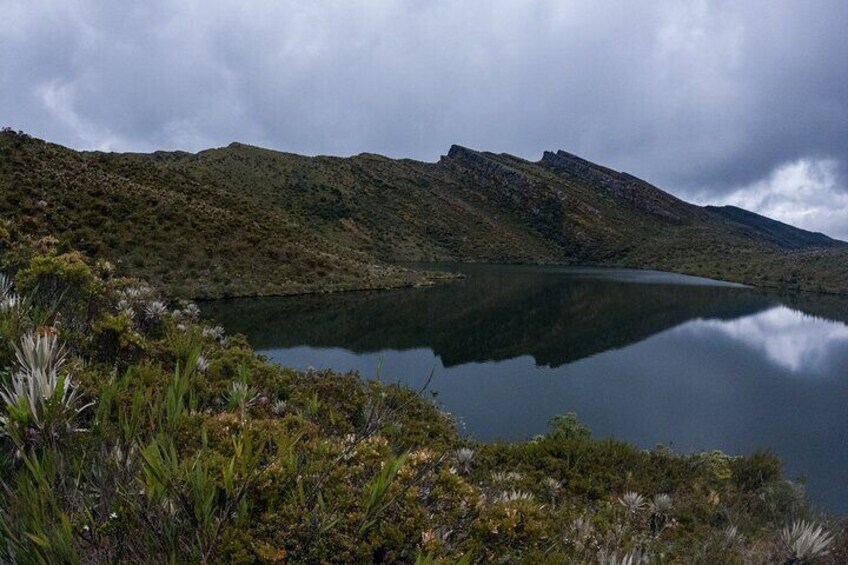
x: 646, y: 357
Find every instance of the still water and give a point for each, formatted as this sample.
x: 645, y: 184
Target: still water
x: 642, y: 356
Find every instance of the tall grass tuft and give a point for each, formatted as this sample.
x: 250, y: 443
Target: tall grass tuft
x: 378, y: 489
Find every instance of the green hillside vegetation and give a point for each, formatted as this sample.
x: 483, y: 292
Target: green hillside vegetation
x: 193, y: 239
x: 242, y: 220
x: 131, y: 431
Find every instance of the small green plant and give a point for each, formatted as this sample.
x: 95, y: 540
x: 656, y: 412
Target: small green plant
x: 35, y: 524
x: 195, y: 492
x: 377, y: 492
x: 241, y: 395
x: 62, y: 284
x: 568, y: 426
x: 175, y: 397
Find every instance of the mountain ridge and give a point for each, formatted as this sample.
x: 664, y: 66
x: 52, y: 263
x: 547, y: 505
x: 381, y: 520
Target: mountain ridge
x: 242, y: 220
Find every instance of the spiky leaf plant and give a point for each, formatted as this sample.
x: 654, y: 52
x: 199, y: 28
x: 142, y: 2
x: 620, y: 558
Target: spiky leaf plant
x: 633, y: 557
x: 279, y: 408
x: 805, y: 541
x: 5, y: 285
x: 660, y: 508
x: 514, y: 495
x: 464, y: 458
x: 633, y: 502
x: 40, y: 402
x: 241, y: 395
x: 155, y: 310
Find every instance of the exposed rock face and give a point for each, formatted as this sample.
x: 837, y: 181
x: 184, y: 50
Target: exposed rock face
x: 481, y: 165
x: 563, y: 162
x: 510, y: 183
x: 621, y: 185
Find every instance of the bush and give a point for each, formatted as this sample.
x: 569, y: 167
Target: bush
x: 568, y: 427
x: 116, y: 340
x: 753, y: 472
x: 60, y: 285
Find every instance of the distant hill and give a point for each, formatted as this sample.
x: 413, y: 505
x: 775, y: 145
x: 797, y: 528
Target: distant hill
x: 243, y: 220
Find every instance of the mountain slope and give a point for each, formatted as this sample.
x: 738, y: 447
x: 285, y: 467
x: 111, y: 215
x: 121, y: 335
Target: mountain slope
x: 777, y: 232
x: 191, y: 238
x: 243, y: 220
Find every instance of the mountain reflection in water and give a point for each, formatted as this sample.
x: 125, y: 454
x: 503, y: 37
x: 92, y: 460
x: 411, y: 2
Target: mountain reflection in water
x: 645, y: 357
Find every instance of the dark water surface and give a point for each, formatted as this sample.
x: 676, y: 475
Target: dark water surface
x: 642, y: 356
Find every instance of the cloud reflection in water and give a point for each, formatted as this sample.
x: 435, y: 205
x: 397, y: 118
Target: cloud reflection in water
x: 791, y: 339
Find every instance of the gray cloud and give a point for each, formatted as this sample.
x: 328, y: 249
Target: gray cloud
x: 704, y: 98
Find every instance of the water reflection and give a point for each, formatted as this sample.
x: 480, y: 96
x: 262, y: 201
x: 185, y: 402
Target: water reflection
x: 796, y: 341
x: 697, y: 367
x: 554, y: 315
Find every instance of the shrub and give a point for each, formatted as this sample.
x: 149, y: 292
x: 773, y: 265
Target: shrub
x: 61, y: 285
x: 568, y: 427
x: 117, y: 341
x: 753, y: 472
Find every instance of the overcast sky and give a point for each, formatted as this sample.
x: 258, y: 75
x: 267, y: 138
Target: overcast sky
x: 742, y: 102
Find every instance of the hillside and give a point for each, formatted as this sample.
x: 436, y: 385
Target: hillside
x: 242, y: 220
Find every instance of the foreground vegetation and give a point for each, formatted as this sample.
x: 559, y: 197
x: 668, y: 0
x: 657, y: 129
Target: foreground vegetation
x: 130, y: 431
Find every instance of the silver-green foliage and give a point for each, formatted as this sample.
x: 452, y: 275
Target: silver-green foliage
x: 241, y: 395
x: 633, y: 502
x: 804, y: 540
x: 5, y: 285
x: 464, y: 458
x: 39, y: 397
x: 634, y: 557
x: 514, y: 495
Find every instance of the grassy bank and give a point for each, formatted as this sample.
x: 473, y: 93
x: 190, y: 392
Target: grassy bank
x: 133, y: 431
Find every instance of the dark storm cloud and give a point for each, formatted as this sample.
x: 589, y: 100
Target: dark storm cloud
x: 711, y: 100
